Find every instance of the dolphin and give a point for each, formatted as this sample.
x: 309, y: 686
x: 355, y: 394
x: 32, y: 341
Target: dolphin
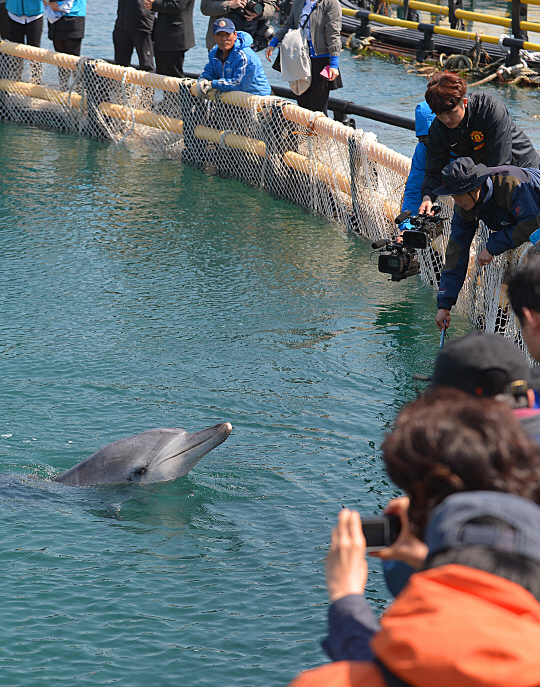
x: 156, y: 455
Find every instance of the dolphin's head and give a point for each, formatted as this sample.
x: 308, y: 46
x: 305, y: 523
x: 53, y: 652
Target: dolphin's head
x: 154, y: 456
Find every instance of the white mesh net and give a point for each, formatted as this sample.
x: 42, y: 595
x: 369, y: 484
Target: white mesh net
x: 268, y: 142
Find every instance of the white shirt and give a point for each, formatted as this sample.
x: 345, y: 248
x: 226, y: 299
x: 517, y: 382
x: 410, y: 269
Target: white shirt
x: 24, y: 19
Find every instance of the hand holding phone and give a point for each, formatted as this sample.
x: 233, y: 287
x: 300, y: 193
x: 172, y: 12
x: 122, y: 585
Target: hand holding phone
x: 381, y: 531
x: 325, y: 73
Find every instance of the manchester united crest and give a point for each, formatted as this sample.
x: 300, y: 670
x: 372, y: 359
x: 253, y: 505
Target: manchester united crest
x: 477, y: 136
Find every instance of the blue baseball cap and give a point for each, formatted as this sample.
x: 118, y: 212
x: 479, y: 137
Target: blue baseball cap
x: 450, y: 526
x: 224, y: 24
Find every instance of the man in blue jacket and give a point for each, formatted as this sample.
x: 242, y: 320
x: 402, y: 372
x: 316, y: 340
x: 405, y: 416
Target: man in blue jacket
x: 423, y: 116
x: 505, y: 198
x: 232, y: 64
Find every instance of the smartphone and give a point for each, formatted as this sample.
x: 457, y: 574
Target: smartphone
x: 325, y: 73
x: 380, y: 531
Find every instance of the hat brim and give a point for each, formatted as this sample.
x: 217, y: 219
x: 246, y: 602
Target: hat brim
x: 443, y: 190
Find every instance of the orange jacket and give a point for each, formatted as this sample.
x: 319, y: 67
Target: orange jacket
x: 451, y: 626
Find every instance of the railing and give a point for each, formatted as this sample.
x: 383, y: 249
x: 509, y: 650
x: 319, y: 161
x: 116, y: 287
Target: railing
x: 517, y: 23
x: 268, y: 142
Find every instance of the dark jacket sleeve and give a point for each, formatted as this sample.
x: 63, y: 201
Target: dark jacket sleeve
x: 215, y: 8
x: 457, y: 259
x: 499, y: 128
x: 351, y: 625
x: 525, y: 207
x: 437, y: 157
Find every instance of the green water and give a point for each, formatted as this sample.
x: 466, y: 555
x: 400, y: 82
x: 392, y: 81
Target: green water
x: 140, y: 293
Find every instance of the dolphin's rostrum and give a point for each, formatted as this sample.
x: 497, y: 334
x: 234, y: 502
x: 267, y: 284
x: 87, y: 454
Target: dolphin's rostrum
x: 156, y: 455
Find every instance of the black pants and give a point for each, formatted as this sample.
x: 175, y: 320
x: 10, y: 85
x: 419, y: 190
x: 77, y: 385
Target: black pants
x: 314, y: 99
x: 4, y: 22
x: 32, y: 32
x: 124, y: 43
x: 69, y: 46
x: 170, y: 62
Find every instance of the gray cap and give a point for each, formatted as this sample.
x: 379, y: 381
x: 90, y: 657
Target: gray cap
x: 449, y: 525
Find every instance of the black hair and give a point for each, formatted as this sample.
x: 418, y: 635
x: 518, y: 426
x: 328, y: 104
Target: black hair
x: 524, y: 287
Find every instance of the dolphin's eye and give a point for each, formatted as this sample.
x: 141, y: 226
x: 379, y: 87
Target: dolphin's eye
x: 139, y: 472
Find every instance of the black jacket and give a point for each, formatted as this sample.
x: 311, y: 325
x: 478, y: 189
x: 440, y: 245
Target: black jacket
x: 133, y: 17
x: 487, y: 134
x: 174, y: 26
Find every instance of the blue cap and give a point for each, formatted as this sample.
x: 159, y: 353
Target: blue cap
x: 450, y: 525
x: 224, y: 24
x: 423, y: 116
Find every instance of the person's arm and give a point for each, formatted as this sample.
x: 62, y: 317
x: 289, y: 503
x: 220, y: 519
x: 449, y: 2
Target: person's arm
x: 351, y: 621
x: 437, y: 157
x: 413, y: 189
x: 525, y: 207
x: 332, y: 31
x: 456, y: 259
x: 498, y: 136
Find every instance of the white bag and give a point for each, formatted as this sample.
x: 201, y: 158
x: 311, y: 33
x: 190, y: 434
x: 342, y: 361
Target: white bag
x: 295, y: 62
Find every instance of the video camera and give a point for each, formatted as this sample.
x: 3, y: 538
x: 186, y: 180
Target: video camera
x: 255, y: 7
x: 424, y: 228
x: 399, y: 258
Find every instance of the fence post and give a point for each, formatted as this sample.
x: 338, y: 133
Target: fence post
x: 364, y: 30
x: 454, y: 5
x: 426, y: 45
x: 519, y: 14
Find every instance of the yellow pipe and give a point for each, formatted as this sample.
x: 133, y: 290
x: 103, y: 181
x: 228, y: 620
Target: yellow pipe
x: 465, y: 14
x: 470, y: 35
x: 142, y: 117
x: 137, y: 77
x: 39, y: 54
x: 249, y: 145
x: 323, y: 173
x: 41, y: 93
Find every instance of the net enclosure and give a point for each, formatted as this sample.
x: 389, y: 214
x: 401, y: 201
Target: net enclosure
x: 341, y: 173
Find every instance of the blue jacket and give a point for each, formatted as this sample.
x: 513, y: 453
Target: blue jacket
x: 28, y: 8
x: 423, y: 116
x: 241, y: 71
x: 510, y: 207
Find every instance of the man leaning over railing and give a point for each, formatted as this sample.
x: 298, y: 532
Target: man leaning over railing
x: 505, y: 198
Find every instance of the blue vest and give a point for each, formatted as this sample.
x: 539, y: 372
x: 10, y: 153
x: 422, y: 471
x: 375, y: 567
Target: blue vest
x: 28, y: 8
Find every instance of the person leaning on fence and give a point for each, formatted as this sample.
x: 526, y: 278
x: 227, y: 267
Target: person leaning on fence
x: 320, y: 21
x: 505, y: 198
x: 235, y: 10
x: 471, y: 525
x: 232, y: 65
x: 173, y: 34
x: 133, y: 31
x: 476, y: 126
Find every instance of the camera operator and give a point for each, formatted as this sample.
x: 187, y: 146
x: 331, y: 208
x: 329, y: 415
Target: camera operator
x: 247, y: 15
x: 505, y: 198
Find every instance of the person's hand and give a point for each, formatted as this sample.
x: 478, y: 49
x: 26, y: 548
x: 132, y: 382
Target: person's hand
x: 235, y: 4
x: 484, y: 257
x: 268, y: 52
x: 54, y: 6
x: 148, y: 4
x: 250, y: 16
x: 442, y: 315
x: 346, y: 565
x: 333, y: 73
x: 203, y: 88
x: 407, y: 548
x: 425, y: 208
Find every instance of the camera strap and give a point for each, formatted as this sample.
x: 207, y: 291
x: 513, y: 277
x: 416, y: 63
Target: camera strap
x: 308, y: 16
